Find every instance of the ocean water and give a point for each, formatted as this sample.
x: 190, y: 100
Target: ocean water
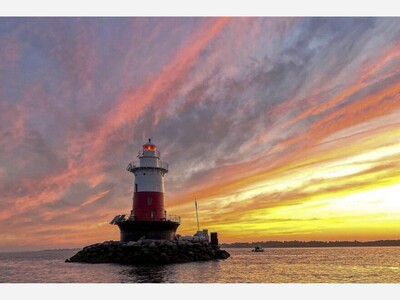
x: 278, y: 265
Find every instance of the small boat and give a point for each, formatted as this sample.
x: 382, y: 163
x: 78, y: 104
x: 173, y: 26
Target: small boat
x: 258, y: 249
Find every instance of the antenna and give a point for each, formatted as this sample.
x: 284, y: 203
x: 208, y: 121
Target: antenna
x: 197, y: 215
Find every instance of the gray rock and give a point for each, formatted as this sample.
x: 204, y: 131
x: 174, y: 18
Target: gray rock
x: 148, y: 252
x: 168, y: 243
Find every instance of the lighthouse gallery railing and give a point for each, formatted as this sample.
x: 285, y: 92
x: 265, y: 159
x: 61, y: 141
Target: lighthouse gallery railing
x: 160, y: 164
x: 123, y: 218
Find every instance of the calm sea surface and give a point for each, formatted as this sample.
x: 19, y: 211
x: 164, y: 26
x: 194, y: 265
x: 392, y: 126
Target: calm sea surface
x: 283, y: 265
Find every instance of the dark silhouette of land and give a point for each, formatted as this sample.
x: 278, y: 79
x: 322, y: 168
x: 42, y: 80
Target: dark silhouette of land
x: 300, y: 244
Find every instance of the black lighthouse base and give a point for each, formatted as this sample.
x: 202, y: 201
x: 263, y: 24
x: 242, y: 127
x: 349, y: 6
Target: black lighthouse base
x: 156, y: 230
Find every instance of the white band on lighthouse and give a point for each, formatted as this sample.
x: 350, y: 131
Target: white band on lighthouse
x: 148, y: 180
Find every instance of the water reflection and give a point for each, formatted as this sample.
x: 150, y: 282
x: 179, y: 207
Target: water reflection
x: 144, y: 274
x: 190, y: 272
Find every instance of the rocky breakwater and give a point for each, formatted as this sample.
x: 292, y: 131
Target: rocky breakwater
x: 148, y: 252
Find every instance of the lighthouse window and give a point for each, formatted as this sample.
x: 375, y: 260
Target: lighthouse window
x: 149, y: 201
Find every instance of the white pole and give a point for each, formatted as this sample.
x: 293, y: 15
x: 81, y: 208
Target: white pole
x: 197, y: 215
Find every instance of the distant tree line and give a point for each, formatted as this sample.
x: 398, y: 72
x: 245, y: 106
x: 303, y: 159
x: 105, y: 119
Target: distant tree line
x: 298, y: 244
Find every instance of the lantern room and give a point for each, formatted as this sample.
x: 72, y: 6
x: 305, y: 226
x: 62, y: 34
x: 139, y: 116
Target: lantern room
x: 149, y: 146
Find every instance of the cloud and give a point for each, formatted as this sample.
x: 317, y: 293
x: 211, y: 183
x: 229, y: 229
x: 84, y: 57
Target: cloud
x: 234, y: 104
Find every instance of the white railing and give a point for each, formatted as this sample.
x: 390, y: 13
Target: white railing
x: 123, y: 218
x: 158, y: 164
x: 173, y: 218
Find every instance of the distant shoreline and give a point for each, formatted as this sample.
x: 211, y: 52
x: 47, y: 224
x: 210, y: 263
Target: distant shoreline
x: 313, y: 244
x: 272, y: 244
x: 40, y: 250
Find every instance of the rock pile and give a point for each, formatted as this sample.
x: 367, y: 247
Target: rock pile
x: 148, y: 252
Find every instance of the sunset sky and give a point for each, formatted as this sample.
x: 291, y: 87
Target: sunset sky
x: 281, y: 128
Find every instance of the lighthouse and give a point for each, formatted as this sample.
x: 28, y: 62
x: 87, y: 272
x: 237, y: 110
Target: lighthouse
x: 148, y: 196
x: 148, y: 218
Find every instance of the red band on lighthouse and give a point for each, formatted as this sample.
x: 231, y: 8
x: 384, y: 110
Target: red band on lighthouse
x: 149, y: 206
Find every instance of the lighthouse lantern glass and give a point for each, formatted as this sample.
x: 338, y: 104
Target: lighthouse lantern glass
x: 149, y: 147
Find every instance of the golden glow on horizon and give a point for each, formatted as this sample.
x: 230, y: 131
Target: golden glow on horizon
x: 339, y: 192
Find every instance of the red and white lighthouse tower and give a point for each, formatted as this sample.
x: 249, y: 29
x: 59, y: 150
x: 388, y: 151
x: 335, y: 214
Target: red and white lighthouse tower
x: 148, y: 196
x: 148, y: 217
